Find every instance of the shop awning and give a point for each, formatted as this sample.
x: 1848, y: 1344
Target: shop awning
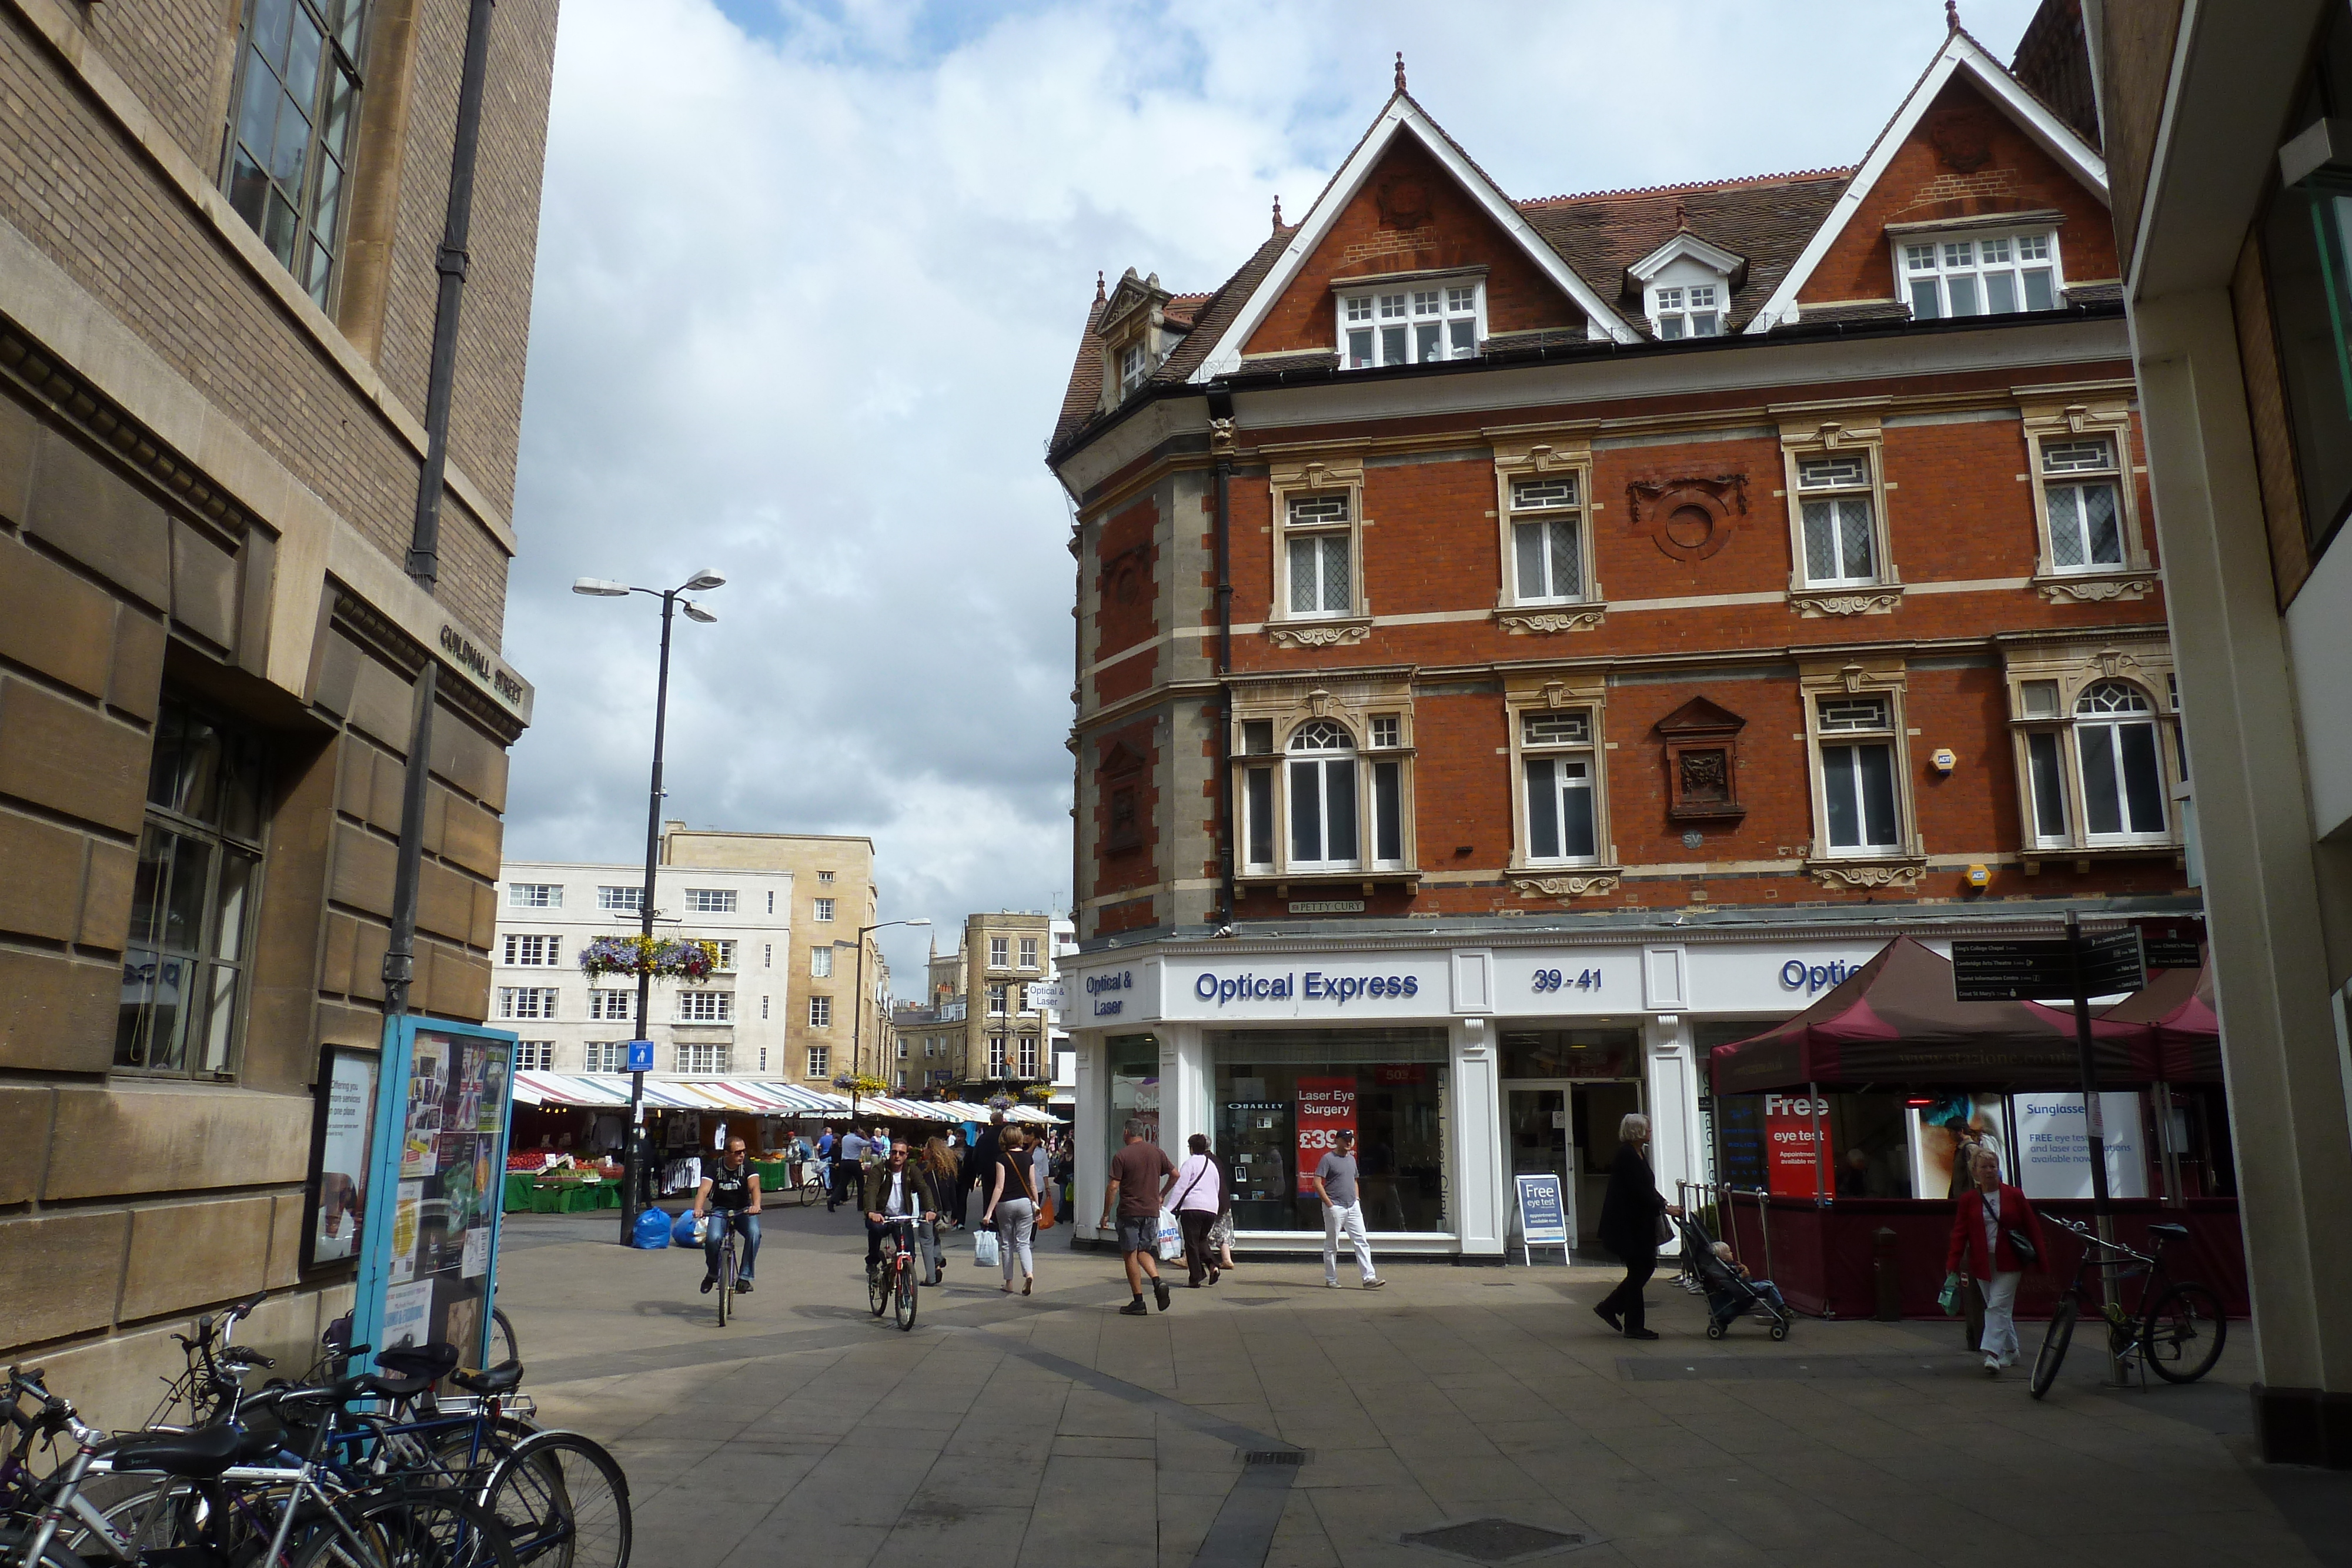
x: 2177, y: 1031
x: 1894, y: 1022
x: 570, y: 1089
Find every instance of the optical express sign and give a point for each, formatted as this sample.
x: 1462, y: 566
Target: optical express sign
x: 1396, y: 990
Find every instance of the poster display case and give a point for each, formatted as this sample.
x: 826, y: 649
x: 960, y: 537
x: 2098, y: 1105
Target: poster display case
x: 428, y: 1250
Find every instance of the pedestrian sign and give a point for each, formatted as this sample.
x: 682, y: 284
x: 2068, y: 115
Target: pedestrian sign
x: 1543, y: 1217
x: 641, y: 1056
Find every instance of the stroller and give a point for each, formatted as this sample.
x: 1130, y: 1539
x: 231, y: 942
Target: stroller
x: 1728, y: 1296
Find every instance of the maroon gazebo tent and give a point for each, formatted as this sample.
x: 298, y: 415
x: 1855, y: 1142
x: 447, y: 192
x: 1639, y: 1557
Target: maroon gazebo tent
x: 2176, y: 1033
x: 1894, y: 1021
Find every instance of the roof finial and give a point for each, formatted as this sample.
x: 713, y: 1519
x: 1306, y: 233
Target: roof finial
x: 1098, y: 287
x: 1952, y: 15
x: 1401, y: 68
x: 1682, y: 214
x: 1278, y: 215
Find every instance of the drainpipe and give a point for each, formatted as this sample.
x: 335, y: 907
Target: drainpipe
x: 1220, y: 412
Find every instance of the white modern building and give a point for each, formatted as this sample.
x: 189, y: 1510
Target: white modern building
x: 731, y: 1023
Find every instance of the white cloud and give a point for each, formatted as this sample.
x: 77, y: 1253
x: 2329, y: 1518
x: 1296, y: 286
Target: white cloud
x: 807, y: 298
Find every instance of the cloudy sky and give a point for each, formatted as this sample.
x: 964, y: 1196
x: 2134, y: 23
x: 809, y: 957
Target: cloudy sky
x: 811, y: 276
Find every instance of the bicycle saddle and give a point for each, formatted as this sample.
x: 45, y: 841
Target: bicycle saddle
x: 2169, y: 1231
x: 431, y: 1362
x: 502, y: 1378
x: 202, y: 1454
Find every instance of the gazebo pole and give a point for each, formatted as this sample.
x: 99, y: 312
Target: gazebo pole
x: 1821, y: 1187
x: 2094, y: 1133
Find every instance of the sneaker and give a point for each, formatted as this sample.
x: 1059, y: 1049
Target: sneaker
x: 1135, y: 1309
x: 1330, y: 1284
x: 1992, y: 1366
x: 1160, y: 1292
x: 707, y: 1281
x: 1374, y: 1285
x: 742, y: 1287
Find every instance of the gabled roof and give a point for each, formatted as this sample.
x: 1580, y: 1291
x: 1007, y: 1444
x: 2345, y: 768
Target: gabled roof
x: 1962, y: 56
x: 1401, y: 116
x: 1684, y: 244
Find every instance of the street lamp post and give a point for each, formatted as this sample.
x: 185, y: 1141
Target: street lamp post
x: 672, y: 599
x: 858, y: 1003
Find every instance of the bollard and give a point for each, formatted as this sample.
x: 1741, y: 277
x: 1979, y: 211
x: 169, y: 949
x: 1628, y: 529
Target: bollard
x: 1884, y: 1276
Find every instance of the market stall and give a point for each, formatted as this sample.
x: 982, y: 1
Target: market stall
x: 1838, y: 1130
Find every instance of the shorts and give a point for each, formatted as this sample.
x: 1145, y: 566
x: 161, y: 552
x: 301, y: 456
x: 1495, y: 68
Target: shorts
x: 1139, y: 1233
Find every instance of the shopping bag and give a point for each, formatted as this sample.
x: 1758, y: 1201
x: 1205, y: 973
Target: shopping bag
x: 1948, y: 1298
x: 1045, y: 1214
x: 1172, y: 1238
x: 983, y: 1249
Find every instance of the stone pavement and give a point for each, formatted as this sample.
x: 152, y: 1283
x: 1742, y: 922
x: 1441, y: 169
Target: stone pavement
x: 1270, y: 1420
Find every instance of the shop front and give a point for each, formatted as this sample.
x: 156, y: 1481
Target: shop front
x: 1457, y: 1066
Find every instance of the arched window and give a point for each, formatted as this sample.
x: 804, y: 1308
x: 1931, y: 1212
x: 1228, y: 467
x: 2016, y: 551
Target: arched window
x: 1322, y: 797
x: 2122, y: 770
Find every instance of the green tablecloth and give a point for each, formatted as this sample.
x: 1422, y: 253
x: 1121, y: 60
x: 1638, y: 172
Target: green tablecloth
x: 775, y: 1175
x: 524, y: 1193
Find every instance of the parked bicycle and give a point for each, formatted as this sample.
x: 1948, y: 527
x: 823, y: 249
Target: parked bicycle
x: 896, y: 1283
x: 811, y: 1186
x: 2178, y: 1332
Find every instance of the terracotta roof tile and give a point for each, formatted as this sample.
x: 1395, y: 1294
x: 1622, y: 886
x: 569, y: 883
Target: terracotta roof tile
x: 1085, y: 391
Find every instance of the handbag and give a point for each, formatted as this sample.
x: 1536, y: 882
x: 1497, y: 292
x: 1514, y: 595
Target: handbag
x: 1045, y: 1214
x: 984, y: 1254
x: 2027, y: 1253
x: 1172, y: 1238
x: 1665, y: 1229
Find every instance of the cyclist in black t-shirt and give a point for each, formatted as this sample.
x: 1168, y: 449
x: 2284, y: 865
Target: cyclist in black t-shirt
x: 729, y: 1195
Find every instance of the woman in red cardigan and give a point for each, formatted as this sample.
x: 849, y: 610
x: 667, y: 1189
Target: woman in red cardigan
x: 1981, y: 1243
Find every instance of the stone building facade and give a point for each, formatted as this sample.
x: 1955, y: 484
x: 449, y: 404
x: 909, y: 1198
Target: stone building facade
x: 2227, y: 127
x: 1547, y: 621
x: 978, y: 1028
x: 210, y: 444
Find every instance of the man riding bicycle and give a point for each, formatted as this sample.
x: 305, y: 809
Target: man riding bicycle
x: 895, y: 1189
x: 729, y: 1195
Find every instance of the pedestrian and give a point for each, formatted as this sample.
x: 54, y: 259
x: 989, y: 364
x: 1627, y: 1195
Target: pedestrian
x: 1996, y: 1237
x: 1633, y: 1223
x: 1013, y: 1208
x: 1221, y: 1233
x: 1198, y: 1189
x: 1041, y: 1176
x: 1140, y: 1175
x: 848, y: 1156
x: 980, y: 1160
x: 1334, y: 1182
x: 1965, y: 1145
x: 938, y: 1168
x: 894, y: 1189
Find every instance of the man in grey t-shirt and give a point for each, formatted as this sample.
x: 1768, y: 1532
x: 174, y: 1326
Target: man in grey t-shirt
x: 1335, y: 1184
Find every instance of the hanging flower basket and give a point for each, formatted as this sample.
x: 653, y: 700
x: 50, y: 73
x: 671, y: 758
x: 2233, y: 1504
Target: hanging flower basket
x: 1040, y: 1092
x: 1002, y: 1102
x: 669, y: 958
x: 860, y: 1083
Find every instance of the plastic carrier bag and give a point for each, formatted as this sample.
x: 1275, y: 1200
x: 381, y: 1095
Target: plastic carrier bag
x: 1172, y: 1238
x: 984, y: 1253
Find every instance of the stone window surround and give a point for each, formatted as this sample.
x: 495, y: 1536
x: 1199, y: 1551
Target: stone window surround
x: 2136, y: 576
x: 1544, y: 615
x: 1820, y: 438
x: 1869, y: 868
x: 1349, y: 701
x: 1547, y: 691
x: 1284, y: 628
x: 2141, y: 662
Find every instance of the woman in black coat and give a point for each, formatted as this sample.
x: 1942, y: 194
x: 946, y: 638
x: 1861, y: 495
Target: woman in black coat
x: 1629, y: 1225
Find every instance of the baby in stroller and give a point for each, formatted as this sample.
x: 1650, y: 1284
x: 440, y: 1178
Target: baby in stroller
x: 1731, y: 1292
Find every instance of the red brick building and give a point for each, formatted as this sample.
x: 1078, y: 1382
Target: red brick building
x: 1515, y: 635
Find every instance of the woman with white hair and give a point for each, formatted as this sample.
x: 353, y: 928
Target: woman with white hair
x: 1633, y: 1223
x: 1996, y: 1237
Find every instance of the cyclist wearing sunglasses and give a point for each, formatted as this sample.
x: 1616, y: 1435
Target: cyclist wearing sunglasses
x: 729, y: 1195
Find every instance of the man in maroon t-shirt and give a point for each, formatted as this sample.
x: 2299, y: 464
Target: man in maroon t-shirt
x: 1141, y: 1173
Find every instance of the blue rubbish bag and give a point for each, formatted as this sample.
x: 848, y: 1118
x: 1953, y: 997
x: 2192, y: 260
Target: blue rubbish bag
x: 653, y: 1230
x: 682, y: 1234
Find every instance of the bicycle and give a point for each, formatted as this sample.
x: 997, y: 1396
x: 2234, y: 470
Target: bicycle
x: 895, y: 1284
x: 810, y: 1188
x: 2178, y: 1318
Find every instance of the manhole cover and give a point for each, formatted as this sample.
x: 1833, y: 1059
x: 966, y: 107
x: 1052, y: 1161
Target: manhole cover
x: 1493, y: 1539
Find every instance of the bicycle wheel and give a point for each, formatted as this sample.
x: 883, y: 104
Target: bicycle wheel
x: 435, y: 1529
x: 2182, y: 1333
x: 12, y: 1552
x: 811, y: 1190
x: 726, y: 1278
x: 504, y: 1346
x: 472, y: 1448
x: 2053, y: 1348
x: 904, y: 1296
x: 563, y: 1503
x: 878, y: 1285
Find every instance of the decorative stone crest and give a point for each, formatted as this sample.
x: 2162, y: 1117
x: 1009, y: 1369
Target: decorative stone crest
x: 2096, y: 589
x: 1565, y: 887
x: 1906, y: 874
x: 1687, y: 517
x: 1813, y: 606
x: 1519, y: 623
x: 1318, y: 635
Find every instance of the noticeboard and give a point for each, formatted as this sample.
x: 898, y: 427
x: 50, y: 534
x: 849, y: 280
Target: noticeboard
x: 1543, y: 1212
x: 334, y: 1197
x: 428, y: 1252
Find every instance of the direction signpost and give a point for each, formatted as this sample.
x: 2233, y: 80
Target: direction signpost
x: 2081, y: 968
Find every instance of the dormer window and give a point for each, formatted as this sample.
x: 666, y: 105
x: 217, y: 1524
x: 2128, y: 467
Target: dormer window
x: 1691, y: 311
x: 1978, y: 275
x: 1134, y: 364
x: 1414, y: 321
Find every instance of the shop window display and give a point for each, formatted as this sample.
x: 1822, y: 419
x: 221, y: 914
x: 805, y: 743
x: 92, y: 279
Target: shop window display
x: 1282, y: 1096
x: 1133, y: 1064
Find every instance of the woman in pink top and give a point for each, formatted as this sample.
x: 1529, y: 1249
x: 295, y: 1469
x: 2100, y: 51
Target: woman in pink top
x: 1196, y: 1195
